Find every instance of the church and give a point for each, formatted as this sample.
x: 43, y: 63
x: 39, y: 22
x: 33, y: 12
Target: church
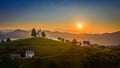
x: 39, y: 33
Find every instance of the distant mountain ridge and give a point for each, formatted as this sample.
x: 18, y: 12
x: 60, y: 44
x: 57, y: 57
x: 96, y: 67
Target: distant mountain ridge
x: 103, y: 39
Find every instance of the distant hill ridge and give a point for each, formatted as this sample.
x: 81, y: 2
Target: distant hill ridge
x: 103, y: 39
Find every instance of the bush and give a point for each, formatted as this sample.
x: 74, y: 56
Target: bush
x: 101, y: 60
x: 43, y: 34
x: 8, y: 40
x: 52, y: 64
x: 74, y: 42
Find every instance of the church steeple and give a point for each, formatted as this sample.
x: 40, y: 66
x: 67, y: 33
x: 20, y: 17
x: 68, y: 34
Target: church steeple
x: 39, y: 33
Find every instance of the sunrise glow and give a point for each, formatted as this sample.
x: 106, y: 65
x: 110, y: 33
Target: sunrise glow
x: 72, y: 16
x: 79, y: 26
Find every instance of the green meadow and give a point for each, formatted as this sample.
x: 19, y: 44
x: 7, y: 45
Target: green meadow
x: 57, y: 54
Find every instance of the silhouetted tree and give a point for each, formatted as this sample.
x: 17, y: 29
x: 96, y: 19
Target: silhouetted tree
x: 2, y: 41
x: 74, y: 42
x: 43, y: 34
x: 34, y: 33
x: 59, y: 38
x: 62, y: 39
x: 8, y: 40
x: 67, y: 41
x: 80, y: 43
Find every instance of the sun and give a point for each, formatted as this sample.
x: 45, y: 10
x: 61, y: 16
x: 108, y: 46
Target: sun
x: 79, y: 26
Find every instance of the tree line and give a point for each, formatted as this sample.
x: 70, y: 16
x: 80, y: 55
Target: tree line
x: 74, y: 41
x: 34, y: 33
x: 7, y: 40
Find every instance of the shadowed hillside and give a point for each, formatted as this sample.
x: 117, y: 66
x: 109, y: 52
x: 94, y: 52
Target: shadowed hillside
x: 56, y: 54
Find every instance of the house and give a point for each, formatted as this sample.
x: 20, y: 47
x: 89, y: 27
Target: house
x: 14, y: 56
x: 79, y: 43
x: 29, y: 54
x: 86, y: 44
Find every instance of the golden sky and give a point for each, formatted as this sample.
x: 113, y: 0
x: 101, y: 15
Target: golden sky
x: 71, y: 28
x: 96, y: 16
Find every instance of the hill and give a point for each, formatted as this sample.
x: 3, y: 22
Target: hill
x: 39, y: 45
x: 15, y: 34
x: 102, y: 39
x: 34, y: 41
x: 43, y: 47
x: 34, y: 44
x: 55, y: 54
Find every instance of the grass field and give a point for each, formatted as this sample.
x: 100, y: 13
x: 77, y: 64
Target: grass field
x: 57, y: 54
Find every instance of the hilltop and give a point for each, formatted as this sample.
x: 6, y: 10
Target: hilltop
x: 36, y: 44
x: 34, y: 41
x: 42, y: 46
x: 56, y: 54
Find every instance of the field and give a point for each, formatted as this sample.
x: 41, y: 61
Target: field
x: 56, y: 54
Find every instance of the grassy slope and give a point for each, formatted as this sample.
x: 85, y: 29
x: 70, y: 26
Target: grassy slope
x: 40, y: 45
x: 34, y: 41
x: 44, y: 48
x: 61, y: 53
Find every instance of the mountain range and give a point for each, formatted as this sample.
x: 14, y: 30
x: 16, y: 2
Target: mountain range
x: 106, y: 39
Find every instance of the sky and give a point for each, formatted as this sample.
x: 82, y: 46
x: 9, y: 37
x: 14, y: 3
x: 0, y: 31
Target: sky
x: 96, y: 16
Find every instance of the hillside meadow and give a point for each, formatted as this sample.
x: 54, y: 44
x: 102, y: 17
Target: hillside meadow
x: 56, y: 54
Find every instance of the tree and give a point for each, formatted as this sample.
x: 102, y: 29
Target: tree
x: 74, y: 42
x: 2, y: 41
x: 80, y: 43
x: 59, y: 38
x: 34, y: 33
x: 62, y: 39
x: 67, y: 41
x: 8, y: 40
x: 87, y: 43
x: 43, y: 34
